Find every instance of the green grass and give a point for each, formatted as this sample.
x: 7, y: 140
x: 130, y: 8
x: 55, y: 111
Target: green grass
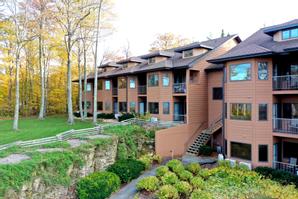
x: 33, y: 128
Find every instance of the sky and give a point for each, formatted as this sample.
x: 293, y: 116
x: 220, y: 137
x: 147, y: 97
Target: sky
x: 139, y: 21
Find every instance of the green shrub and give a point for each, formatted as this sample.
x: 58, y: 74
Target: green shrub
x: 185, y: 175
x: 167, y: 192
x: 147, y: 160
x: 204, y: 173
x: 199, y: 194
x: 160, y: 171
x: 127, y: 170
x: 169, y: 178
x: 157, y: 159
x: 150, y: 183
x: 183, y: 188
x: 106, y: 116
x: 193, y: 168
x: 282, y: 177
x: 98, y: 185
x: 206, y: 150
x: 174, y: 163
x: 126, y: 116
x: 197, y: 182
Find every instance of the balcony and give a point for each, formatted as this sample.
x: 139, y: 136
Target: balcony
x: 115, y: 91
x: 179, y: 88
x: 180, y: 118
x: 142, y: 90
x: 286, y: 82
x: 292, y: 168
x: 283, y: 125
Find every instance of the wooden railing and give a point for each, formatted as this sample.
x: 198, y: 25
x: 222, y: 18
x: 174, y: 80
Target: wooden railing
x: 197, y: 132
x: 292, y: 168
x: 286, y: 82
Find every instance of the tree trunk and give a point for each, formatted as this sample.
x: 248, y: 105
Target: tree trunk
x: 80, y: 82
x: 42, y: 77
x: 85, y: 81
x: 69, y: 88
x: 17, y: 95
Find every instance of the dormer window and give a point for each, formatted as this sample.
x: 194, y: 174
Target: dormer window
x: 151, y: 60
x: 188, y: 53
x: 290, y: 34
x: 125, y: 65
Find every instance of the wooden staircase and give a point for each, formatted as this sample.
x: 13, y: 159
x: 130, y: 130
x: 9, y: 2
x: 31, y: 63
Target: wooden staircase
x: 204, y: 136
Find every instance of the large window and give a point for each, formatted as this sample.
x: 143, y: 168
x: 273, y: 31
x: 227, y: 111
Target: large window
x: 217, y: 93
x: 263, y: 112
x: 263, y: 70
x: 153, y: 107
x: 99, y: 106
x: 166, y: 107
x: 153, y: 80
x: 240, y: 150
x: 240, y: 111
x: 122, y: 107
x: 263, y: 153
x: 89, y: 87
x: 165, y: 79
x: 132, y: 107
x: 99, y: 85
x: 122, y: 82
x: 107, y: 106
x: 240, y: 72
x: 132, y: 83
x: 107, y: 85
x: 290, y: 34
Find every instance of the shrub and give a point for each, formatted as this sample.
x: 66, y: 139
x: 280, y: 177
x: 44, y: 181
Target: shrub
x: 185, y: 175
x: 169, y: 178
x: 204, y: 173
x: 178, y: 168
x: 127, y: 170
x: 197, y: 182
x: 147, y: 160
x: 157, y: 159
x: 160, y: 171
x: 98, y: 185
x: 126, y: 116
x: 77, y: 114
x: 106, y: 116
x: 173, y: 163
x: 167, y: 192
x: 199, y: 194
x: 205, y: 150
x: 183, y: 188
x: 282, y: 177
x: 148, y: 184
x: 193, y: 168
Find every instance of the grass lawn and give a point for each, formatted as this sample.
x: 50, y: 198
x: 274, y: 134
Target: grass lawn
x: 33, y: 128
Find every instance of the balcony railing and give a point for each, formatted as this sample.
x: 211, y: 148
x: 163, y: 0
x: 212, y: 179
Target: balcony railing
x: 180, y: 118
x: 286, y: 82
x: 115, y: 91
x: 283, y: 125
x: 142, y: 90
x: 286, y: 167
x: 179, y: 88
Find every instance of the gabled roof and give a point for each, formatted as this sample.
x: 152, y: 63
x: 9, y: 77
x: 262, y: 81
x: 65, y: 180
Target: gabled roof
x: 260, y: 44
x: 273, y: 29
x: 158, y: 53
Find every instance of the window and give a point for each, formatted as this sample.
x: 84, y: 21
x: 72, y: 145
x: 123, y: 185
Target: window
x: 289, y: 150
x: 122, y: 107
x: 240, y: 72
x: 263, y: 112
x: 290, y: 34
x: 188, y: 53
x: 217, y: 93
x: 240, y: 150
x: 122, y: 82
x: 240, y: 111
x: 88, y: 104
x: 99, y: 106
x: 194, y: 76
x: 226, y: 110
x: 89, y: 87
x: 165, y: 79
x: 153, y: 107
x: 132, y: 83
x: 151, y: 60
x: 107, y: 85
x: 107, y: 106
x: 166, y: 107
x: 99, y: 85
x: 132, y: 107
x: 263, y: 153
x: 263, y: 70
x: 153, y: 80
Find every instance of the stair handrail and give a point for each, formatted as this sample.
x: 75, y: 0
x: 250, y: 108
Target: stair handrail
x: 217, y: 120
x: 200, y: 128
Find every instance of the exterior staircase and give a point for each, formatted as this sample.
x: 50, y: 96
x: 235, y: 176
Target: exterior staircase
x: 204, y: 136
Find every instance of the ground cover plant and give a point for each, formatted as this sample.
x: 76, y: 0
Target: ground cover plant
x: 221, y: 182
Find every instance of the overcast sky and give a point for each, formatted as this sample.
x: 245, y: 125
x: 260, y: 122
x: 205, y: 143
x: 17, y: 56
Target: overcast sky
x: 138, y: 21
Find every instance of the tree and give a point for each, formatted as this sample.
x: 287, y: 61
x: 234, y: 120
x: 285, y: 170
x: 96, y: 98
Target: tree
x: 168, y: 41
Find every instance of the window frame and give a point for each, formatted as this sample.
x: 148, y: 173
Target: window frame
x: 134, y: 83
x: 168, y: 108
x: 122, y: 83
x: 290, y: 32
x: 130, y: 103
x: 233, y: 155
x: 151, y: 60
x: 155, y: 80
x: 267, y: 152
x: 259, y: 118
x: 100, y: 85
x: 120, y: 107
x: 190, y: 51
x: 99, y: 104
x: 267, y: 69
x: 239, y: 117
x: 149, y: 108
x: 107, y: 88
x: 165, y: 75
x: 89, y: 87
x: 217, y: 97
x: 240, y: 80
